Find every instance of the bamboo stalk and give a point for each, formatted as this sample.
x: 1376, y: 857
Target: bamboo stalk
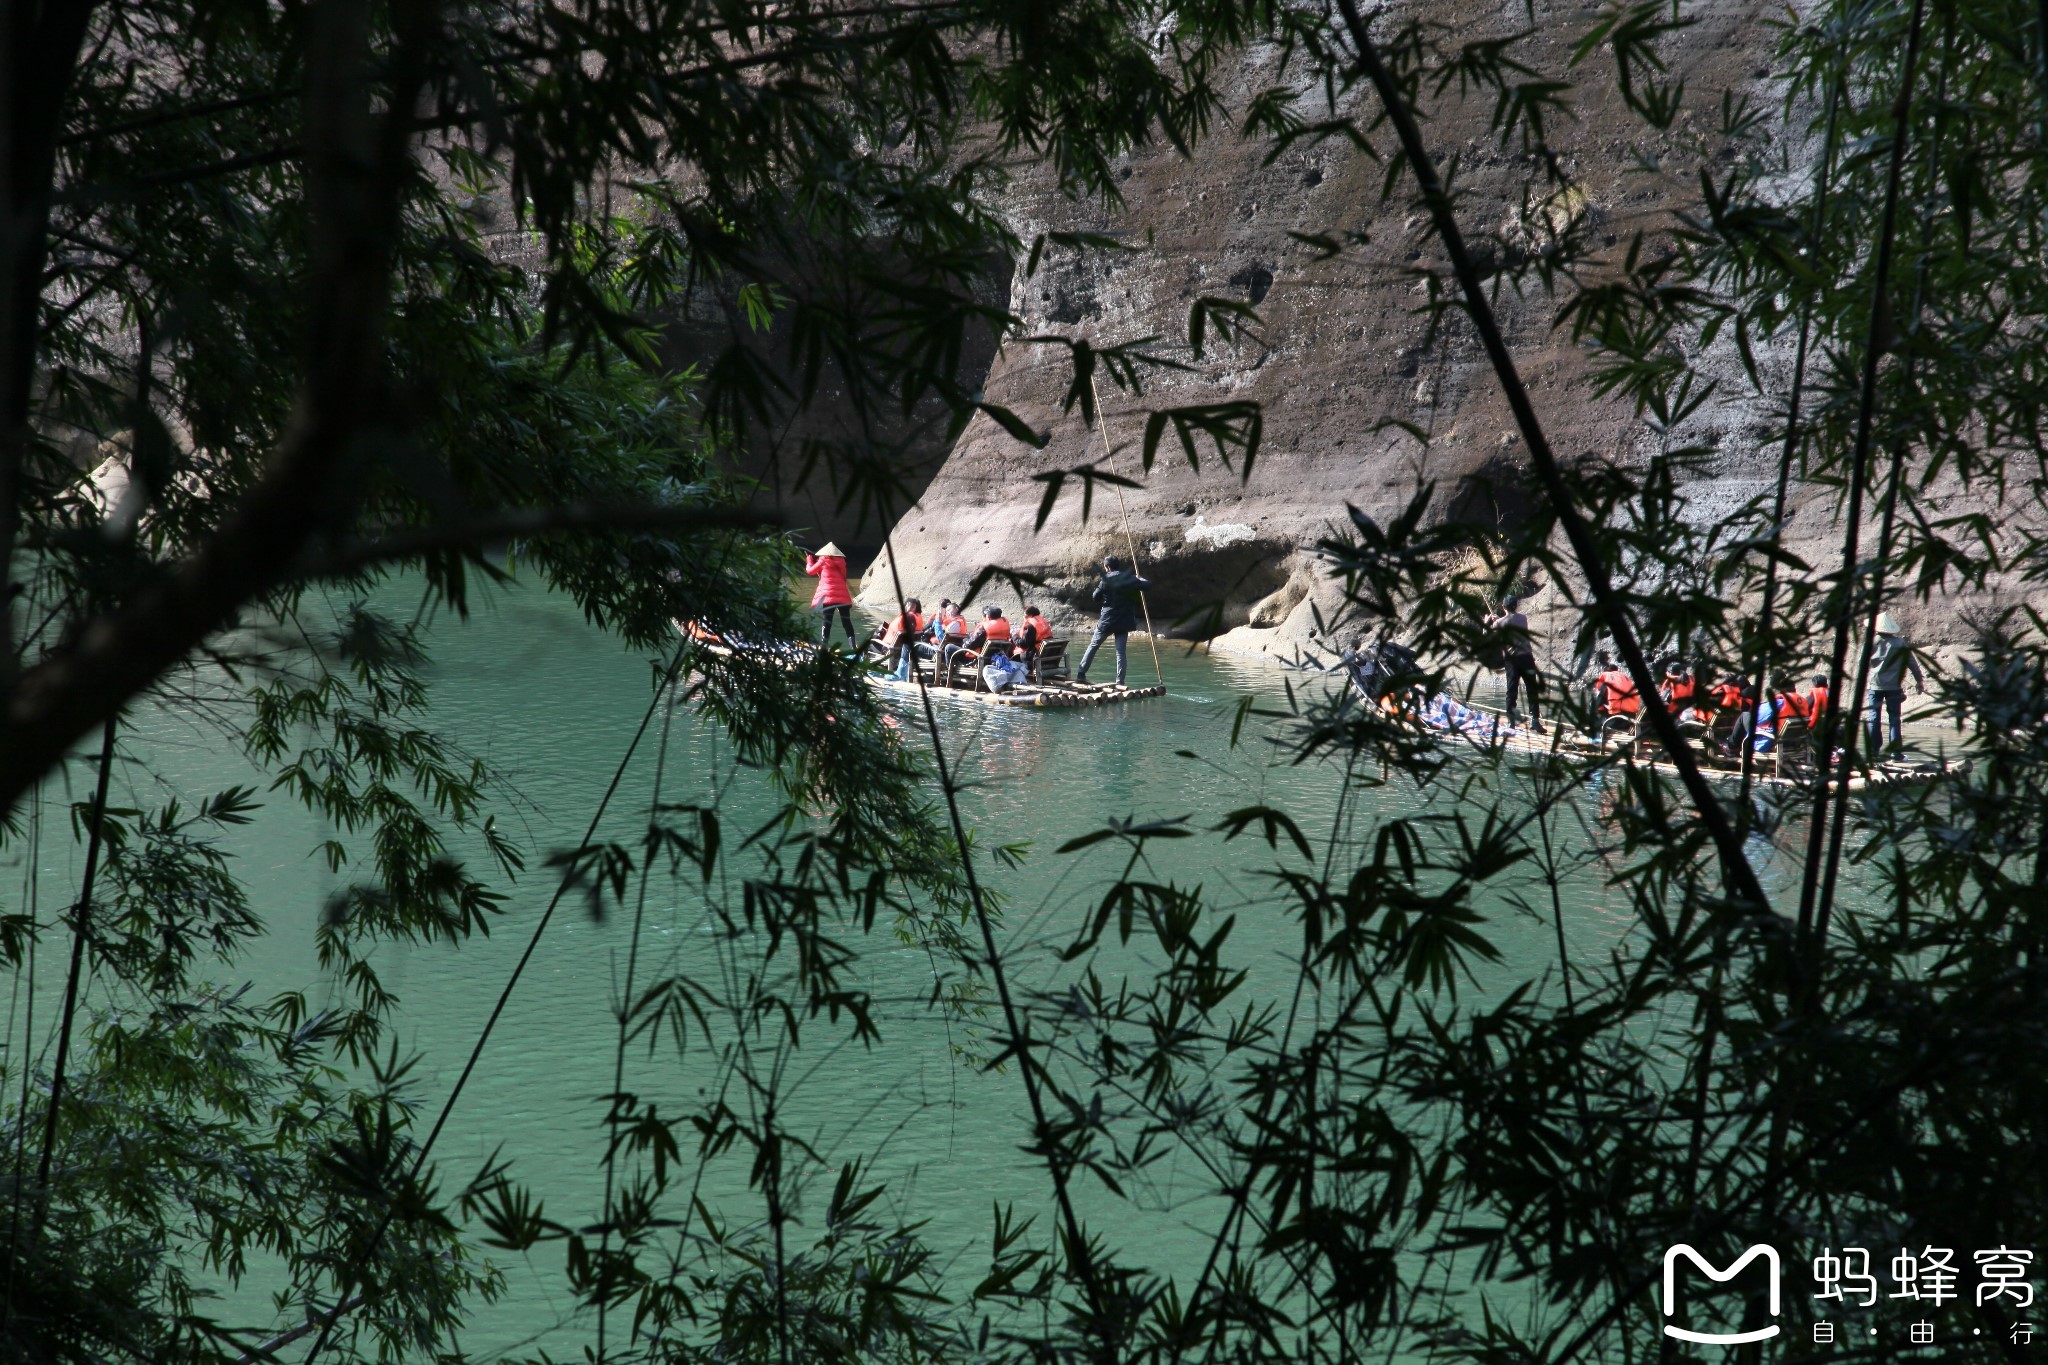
x: 1741, y: 876
x: 81, y: 916
x: 1762, y: 637
x: 1874, y: 344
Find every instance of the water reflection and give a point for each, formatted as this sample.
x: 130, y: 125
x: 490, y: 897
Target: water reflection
x: 945, y: 1136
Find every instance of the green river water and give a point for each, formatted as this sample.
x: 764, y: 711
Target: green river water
x: 527, y: 686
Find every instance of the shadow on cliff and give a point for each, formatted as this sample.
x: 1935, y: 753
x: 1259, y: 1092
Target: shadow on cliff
x: 814, y: 428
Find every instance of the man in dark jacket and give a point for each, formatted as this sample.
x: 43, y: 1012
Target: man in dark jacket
x: 1890, y: 658
x: 1518, y: 652
x: 1117, y: 595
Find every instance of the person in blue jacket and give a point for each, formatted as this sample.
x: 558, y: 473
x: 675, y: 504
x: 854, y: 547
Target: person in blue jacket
x: 1117, y: 596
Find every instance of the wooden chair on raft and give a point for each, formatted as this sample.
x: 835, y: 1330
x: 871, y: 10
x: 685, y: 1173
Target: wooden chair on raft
x: 1722, y: 727
x: 1792, y: 756
x: 1051, y: 662
x: 950, y: 673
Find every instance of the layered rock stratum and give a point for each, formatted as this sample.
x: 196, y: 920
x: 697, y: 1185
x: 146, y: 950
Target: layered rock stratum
x: 1343, y: 352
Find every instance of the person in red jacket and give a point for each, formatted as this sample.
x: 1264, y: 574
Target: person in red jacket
x: 828, y: 566
x: 1791, y: 702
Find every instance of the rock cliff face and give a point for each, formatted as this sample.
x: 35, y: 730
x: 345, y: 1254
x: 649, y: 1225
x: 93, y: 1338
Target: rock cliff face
x: 1341, y: 354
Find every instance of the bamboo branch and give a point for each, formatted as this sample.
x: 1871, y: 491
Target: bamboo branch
x: 81, y: 919
x: 568, y: 879
x: 1875, y: 342
x: 267, y: 1350
x: 36, y: 68
x: 1742, y: 878
x: 1886, y: 524
x: 1762, y: 636
x: 1123, y: 515
x: 523, y: 523
x: 356, y: 169
x: 1078, y: 1255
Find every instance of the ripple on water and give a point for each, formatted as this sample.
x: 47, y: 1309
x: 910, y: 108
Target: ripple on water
x: 946, y: 1131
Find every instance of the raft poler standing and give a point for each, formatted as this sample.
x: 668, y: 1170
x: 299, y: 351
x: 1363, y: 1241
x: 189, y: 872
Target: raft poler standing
x: 828, y: 566
x: 1117, y: 594
x: 1890, y: 657
x: 1513, y: 626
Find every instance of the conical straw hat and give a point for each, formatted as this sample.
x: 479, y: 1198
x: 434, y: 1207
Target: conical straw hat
x: 1888, y: 624
x: 832, y: 551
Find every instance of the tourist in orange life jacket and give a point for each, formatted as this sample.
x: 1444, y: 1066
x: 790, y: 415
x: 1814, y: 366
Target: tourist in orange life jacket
x: 1746, y: 721
x: 1380, y: 673
x: 1614, y: 690
x: 828, y: 566
x: 1816, y: 700
x: 899, y: 636
x: 947, y: 627
x: 1035, y: 631
x: 1596, y: 696
x: 1727, y: 693
x: 993, y: 631
x: 1791, y: 701
x: 1679, y: 688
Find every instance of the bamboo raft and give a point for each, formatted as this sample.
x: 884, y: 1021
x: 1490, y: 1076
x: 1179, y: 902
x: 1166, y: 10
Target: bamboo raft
x: 1047, y: 694
x: 1766, y: 769
x: 1052, y: 694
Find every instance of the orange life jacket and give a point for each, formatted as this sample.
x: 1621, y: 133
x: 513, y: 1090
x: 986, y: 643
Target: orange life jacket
x: 908, y: 623
x: 1678, y: 692
x: 1728, y: 696
x: 997, y: 628
x: 1620, y: 691
x: 1792, y: 704
x: 1816, y: 705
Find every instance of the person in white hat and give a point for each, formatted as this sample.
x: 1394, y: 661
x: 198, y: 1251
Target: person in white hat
x: 1890, y: 659
x: 828, y: 566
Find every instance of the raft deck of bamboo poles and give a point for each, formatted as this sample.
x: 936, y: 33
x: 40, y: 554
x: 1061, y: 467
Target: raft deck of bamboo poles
x: 1054, y: 695
x: 1044, y: 695
x: 1764, y: 770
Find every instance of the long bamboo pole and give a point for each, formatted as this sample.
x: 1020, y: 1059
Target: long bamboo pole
x: 1606, y: 603
x: 1109, y: 456
x: 81, y: 918
x: 1846, y: 599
